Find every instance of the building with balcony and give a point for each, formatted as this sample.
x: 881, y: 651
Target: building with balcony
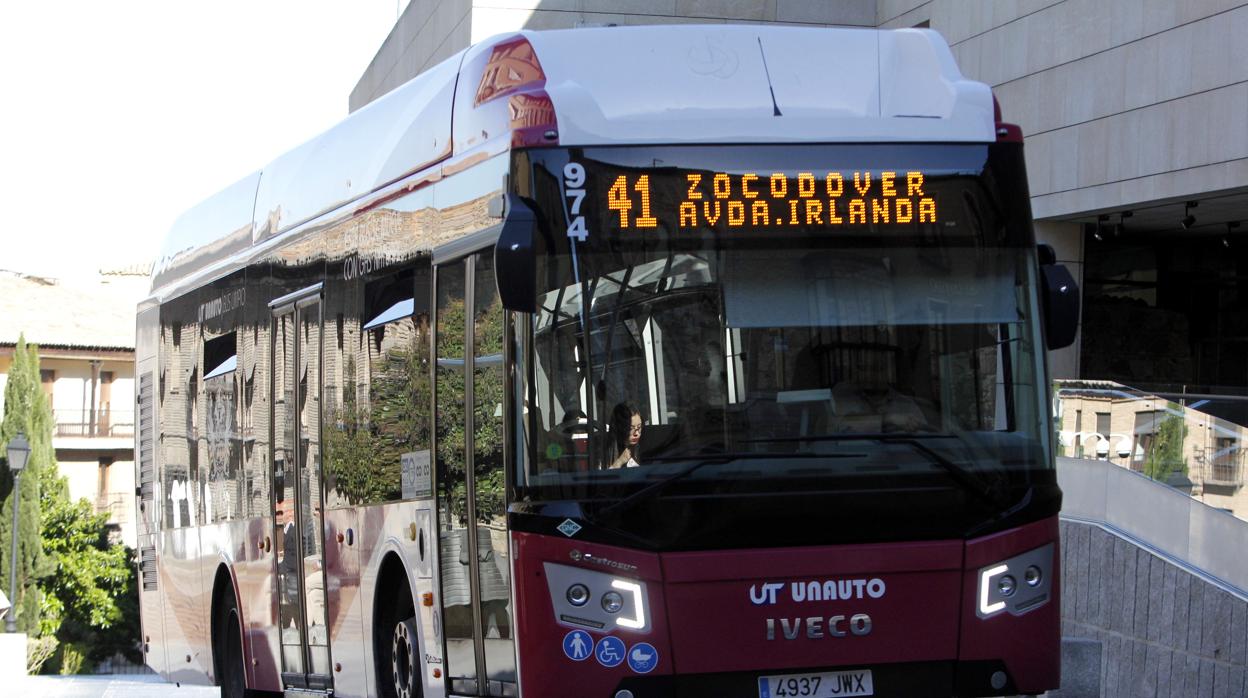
x: 85, y: 333
x: 1183, y: 445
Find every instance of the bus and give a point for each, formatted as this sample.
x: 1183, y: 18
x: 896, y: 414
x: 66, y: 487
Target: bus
x: 620, y: 362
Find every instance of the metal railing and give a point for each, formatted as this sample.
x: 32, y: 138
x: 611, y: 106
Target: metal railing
x: 1159, y: 435
x: 94, y: 423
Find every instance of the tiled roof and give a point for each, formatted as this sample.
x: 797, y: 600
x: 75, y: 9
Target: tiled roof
x: 63, y: 313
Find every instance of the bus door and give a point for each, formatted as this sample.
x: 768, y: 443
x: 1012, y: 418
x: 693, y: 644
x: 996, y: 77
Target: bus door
x: 297, y: 521
x: 474, y: 554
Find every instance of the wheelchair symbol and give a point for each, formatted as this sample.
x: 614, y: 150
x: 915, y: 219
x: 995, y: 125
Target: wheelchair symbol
x: 610, y: 651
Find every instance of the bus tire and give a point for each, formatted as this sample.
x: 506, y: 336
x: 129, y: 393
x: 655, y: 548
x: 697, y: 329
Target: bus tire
x: 228, y: 646
x: 397, y: 647
x: 404, y: 662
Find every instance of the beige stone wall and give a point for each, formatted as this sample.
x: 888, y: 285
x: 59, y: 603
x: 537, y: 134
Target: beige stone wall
x: 81, y: 469
x: 427, y: 32
x: 1122, y: 102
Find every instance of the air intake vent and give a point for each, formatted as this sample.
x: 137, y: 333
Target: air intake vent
x: 147, y: 465
x: 147, y: 567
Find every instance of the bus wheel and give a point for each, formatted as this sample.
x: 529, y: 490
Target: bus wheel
x: 233, y: 670
x: 397, y: 646
x: 405, y: 666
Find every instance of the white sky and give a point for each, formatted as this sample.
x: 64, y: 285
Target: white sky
x: 117, y: 116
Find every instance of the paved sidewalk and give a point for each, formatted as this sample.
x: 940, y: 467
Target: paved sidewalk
x: 116, y: 686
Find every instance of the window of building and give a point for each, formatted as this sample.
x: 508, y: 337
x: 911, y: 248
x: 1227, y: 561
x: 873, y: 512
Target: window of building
x: 47, y: 377
x: 1102, y: 428
x: 1079, y: 434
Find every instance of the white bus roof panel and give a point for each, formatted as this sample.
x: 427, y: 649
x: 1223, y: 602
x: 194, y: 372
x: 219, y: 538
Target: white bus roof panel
x: 708, y: 84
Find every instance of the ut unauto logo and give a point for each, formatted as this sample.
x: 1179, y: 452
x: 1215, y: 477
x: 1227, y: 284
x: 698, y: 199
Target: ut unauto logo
x: 766, y: 595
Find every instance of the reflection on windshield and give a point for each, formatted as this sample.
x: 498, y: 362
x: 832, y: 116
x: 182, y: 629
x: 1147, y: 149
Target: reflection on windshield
x: 681, y: 355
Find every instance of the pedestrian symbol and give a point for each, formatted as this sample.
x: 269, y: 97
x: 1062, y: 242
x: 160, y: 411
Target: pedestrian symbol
x: 610, y: 651
x: 577, y: 645
x: 642, y: 658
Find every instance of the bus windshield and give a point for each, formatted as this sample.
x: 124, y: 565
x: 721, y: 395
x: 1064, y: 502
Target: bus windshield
x: 878, y: 334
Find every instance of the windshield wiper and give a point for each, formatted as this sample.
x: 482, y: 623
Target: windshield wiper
x: 961, y: 474
x: 652, y: 490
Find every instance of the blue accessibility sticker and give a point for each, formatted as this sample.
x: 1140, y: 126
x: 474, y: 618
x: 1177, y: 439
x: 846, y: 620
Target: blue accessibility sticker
x: 610, y: 651
x: 577, y: 645
x: 643, y: 658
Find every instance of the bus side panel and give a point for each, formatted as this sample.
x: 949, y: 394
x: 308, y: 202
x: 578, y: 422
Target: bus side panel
x: 240, y: 544
x: 388, y: 529
x: 151, y: 608
x: 342, y: 598
x: 151, y: 605
x: 186, y: 612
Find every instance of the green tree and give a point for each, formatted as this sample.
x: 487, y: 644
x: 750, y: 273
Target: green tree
x: 90, y: 596
x: 73, y: 586
x: 26, y: 410
x: 1165, y: 456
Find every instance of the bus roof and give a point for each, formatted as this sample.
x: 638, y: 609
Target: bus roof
x: 644, y: 85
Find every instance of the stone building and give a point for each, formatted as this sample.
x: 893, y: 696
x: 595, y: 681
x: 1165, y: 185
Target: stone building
x: 85, y: 334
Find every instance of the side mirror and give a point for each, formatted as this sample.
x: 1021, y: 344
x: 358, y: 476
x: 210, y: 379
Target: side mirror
x: 1059, y: 300
x: 514, y: 262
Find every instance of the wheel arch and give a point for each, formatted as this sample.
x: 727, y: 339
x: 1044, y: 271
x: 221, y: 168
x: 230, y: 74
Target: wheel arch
x: 393, y: 576
x: 391, y: 572
x: 225, y: 587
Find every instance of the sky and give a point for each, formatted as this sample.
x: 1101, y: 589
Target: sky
x: 117, y: 116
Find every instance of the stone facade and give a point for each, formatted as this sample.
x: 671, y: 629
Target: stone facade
x: 1163, y: 630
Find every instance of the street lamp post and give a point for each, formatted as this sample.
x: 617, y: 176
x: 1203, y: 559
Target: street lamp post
x: 18, y: 450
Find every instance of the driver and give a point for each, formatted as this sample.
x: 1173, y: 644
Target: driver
x: 626, y: 426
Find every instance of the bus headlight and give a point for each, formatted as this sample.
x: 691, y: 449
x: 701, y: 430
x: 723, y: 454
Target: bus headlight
x: 638, y: 621
x: 999, y: 591
x: 578, y: 594
x: 596, y: 601
x: 612, y: 602
x: 1032, y: 576
x: 1005, y: 585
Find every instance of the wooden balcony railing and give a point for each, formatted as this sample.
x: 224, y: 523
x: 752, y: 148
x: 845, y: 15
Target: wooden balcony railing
x: 94, y: 423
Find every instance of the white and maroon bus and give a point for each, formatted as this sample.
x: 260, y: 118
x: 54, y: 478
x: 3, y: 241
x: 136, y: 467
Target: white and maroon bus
x: 618, y: 362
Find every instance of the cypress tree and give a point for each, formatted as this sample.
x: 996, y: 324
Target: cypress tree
x: 26, y: 410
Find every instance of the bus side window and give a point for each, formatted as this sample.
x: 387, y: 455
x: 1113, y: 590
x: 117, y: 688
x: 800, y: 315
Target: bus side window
x: 378, y: 396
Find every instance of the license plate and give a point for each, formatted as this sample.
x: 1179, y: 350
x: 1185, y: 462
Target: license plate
x: 827, y: 684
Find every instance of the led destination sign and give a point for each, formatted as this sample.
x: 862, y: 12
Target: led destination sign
x: 829, y: 199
